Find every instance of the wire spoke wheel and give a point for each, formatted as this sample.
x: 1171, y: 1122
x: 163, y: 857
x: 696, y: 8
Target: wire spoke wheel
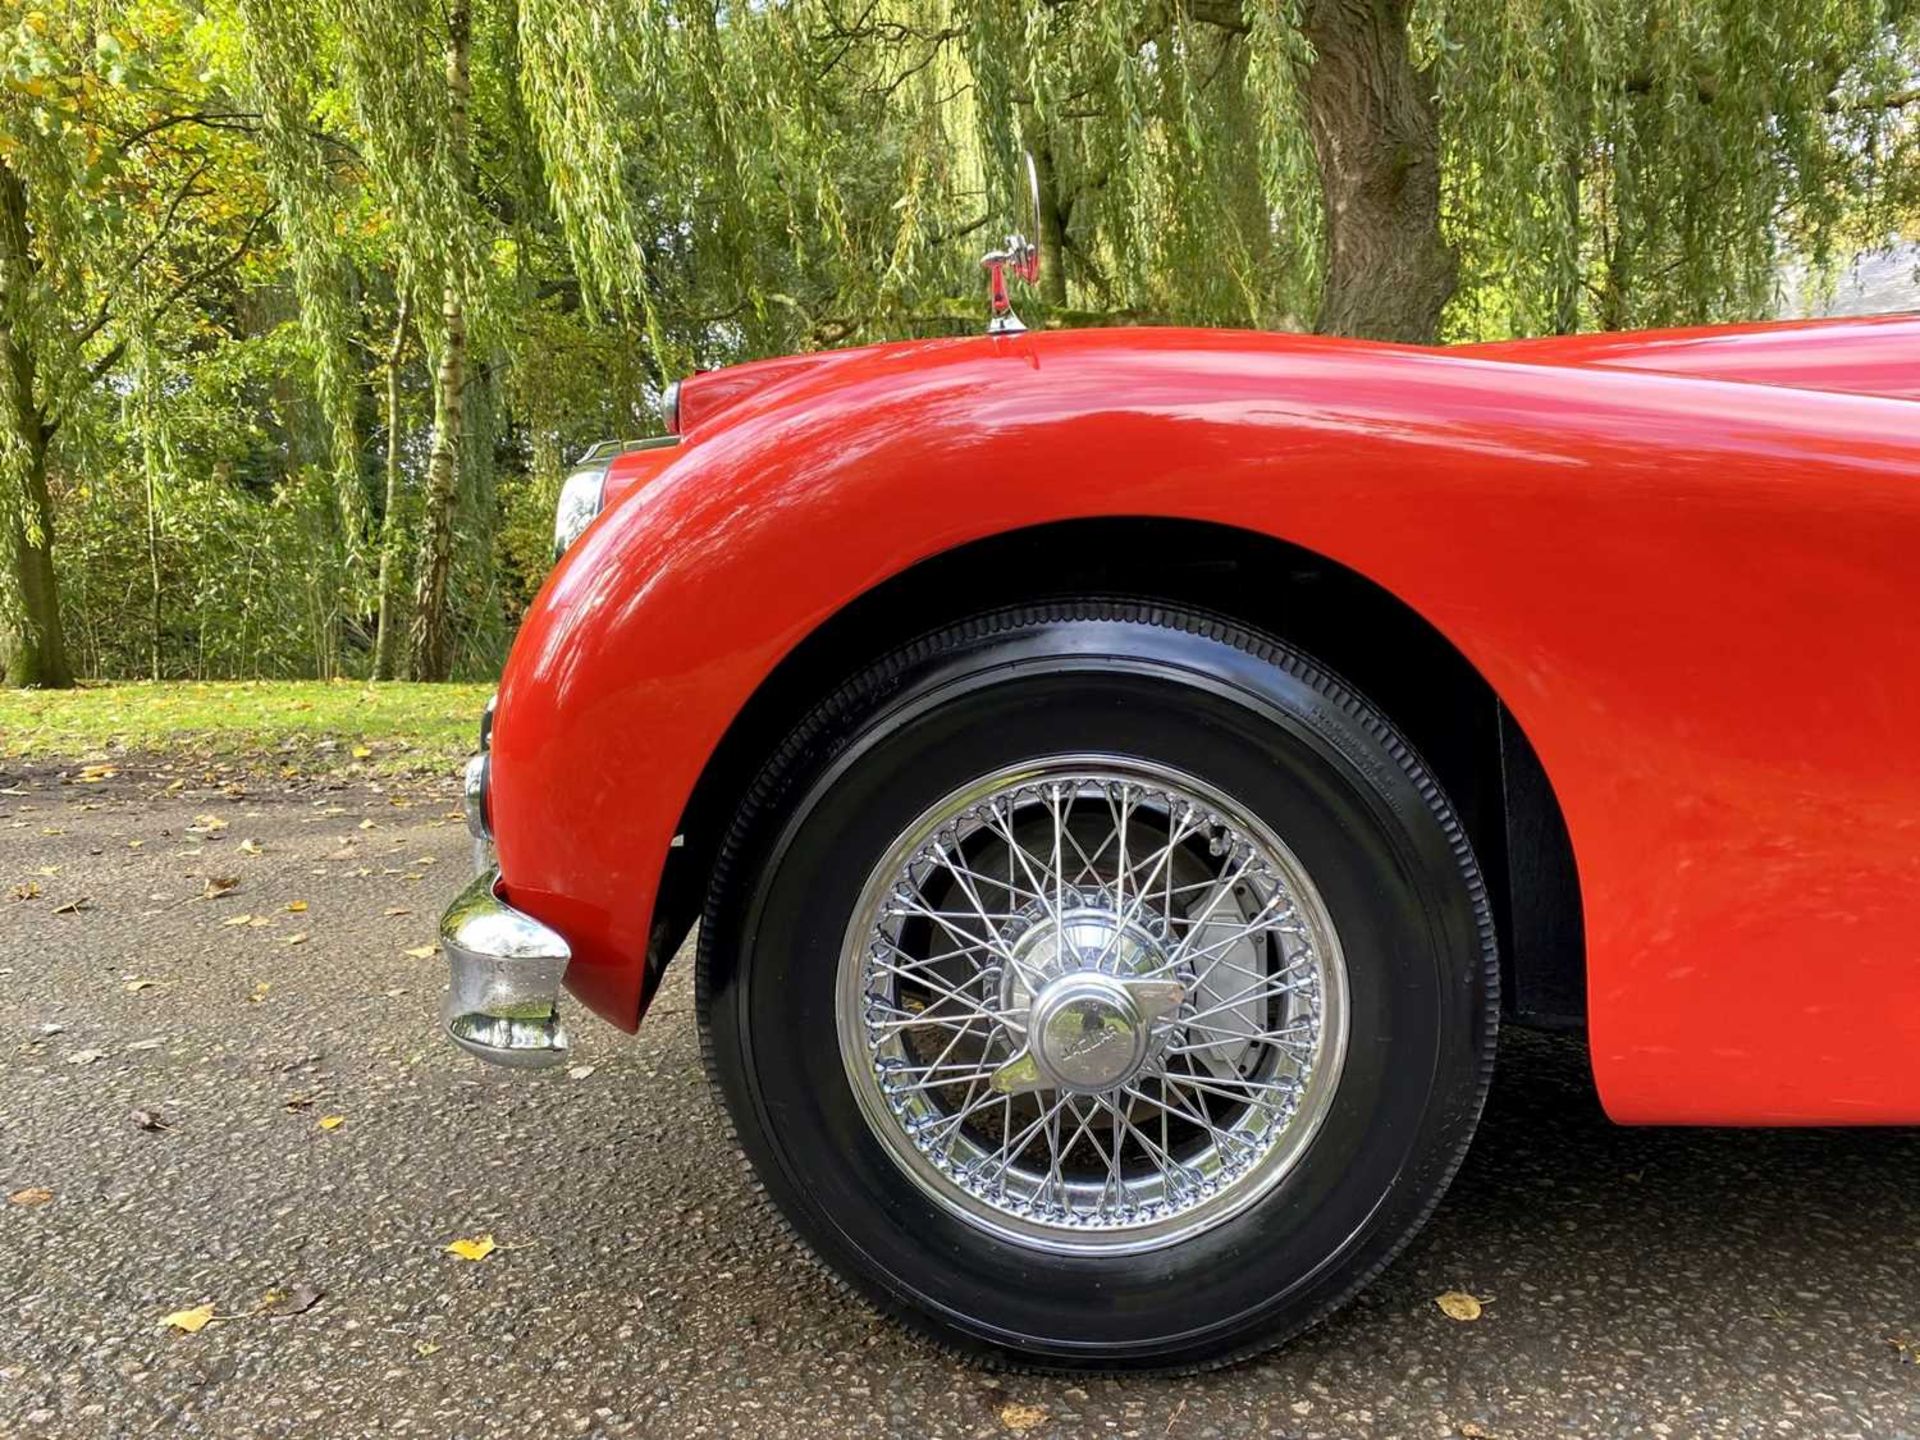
x: 1091, y: 1004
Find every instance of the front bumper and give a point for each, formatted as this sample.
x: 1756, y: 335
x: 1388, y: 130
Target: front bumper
x: 503, y: 1002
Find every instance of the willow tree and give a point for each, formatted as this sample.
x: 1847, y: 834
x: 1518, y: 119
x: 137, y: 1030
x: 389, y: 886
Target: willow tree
x: 1654, y: 163
x: 1351, y: 163
x: 120, y: 199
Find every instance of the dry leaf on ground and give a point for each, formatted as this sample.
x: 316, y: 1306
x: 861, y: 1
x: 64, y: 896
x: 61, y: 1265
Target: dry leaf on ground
x: 477, y: 1248
x: 1459, y: 1305
x: 86, y: 1057
x: 218, y: 885
x: 423, y: 952
x: 332, y: 1122
x: 27, y: 890
x: 297, y: 1301
x: 298, y: 907
x: 191, y: 1321
x: 1021, y: 1418
x: 74, y: 907
x: 31, y: 1196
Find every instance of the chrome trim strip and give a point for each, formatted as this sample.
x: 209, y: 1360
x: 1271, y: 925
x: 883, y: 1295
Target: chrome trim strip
x: 503, y: 997
x: 473, y: 795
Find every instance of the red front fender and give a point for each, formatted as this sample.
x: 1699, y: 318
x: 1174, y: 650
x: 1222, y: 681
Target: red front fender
x: 1641, y: 566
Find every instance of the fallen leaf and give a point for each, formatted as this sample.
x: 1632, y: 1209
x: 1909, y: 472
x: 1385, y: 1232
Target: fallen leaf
x: 1470, y: 1431
x: 135, y: 986
x: 299, y: 939
x: 332, y: 1122
x: 298, y: 1102
x: 153, y: 1044
x: 52, y: 1027
x: 236, y: 919
x: 250, y: 847
x: 298, y: 907
x: 398, y: 910
x: 86, y: 1057
x: 94, y: 774
x: 361, y: 752
x: 475, y: 1249
x: 260, y: 989
x: 1022, y: 1418
x: 1458, y: 1305
x: 425, y: 1347
x: 218, y: 885
x: 135, y: 844
x: 207, y: 824
x: 49, y: 871
x: 176, y: 786
x: 368, y: 825
x: 297, y: 1301
x: 579, y: 1072
x: 31, y: 1196
x: 191, y: 1321
x: 27, y: 890
x: 74, y: 907
x: 422, y: 952
x: 148, y: 1120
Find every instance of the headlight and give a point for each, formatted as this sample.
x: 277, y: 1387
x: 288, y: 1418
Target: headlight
x: 580, y: 500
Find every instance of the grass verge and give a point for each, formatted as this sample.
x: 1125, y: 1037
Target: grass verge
x: 302, y: 726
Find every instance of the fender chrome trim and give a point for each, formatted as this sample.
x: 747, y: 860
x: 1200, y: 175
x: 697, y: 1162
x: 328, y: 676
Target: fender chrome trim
x: 503, y: 1000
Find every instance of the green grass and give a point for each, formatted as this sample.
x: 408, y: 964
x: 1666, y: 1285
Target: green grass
x: 303, y: 725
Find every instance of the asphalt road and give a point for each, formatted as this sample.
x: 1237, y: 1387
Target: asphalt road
x: 1636, y: 1282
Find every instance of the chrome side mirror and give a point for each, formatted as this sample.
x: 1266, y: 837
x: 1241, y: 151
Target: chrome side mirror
x: 1017, y: 255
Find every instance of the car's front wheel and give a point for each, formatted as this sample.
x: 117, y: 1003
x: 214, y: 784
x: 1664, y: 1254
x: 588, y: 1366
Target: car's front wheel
x: 1100, y: 984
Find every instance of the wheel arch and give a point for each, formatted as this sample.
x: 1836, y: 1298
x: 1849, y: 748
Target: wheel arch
x: 1373, y: 639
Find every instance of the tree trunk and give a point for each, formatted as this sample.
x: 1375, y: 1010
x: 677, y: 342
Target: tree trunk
x: 1052, y: 220
x: 33, y: 647
x: 432, y: 641
x: 153, y: 523
x: 386, y: 639
x: 1375, y: 124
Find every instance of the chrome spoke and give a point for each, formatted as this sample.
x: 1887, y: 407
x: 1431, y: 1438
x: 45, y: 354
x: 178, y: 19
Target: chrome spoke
x: 1092, y: 1005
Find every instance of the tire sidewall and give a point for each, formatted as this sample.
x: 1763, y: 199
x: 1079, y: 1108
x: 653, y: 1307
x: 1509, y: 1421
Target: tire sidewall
x: 1256, y: 722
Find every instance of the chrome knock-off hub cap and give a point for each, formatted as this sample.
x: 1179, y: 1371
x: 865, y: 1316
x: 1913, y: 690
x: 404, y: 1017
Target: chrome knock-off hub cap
x: 1091, y: 1004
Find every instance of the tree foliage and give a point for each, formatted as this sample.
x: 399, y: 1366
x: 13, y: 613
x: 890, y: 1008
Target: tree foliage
x: 305, y: 304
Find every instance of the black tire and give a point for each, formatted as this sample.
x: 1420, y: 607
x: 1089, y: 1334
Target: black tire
x: 1257, y: 721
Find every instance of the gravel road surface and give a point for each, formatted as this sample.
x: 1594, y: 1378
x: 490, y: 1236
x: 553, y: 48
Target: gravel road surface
x: 255, y: 1114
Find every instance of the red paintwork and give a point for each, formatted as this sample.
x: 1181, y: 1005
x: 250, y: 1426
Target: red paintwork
x: 631, y: 469
x: 1876, y: 355
x: 1697, y: 598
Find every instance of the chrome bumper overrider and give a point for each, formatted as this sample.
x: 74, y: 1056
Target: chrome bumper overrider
x: 503, y: 1004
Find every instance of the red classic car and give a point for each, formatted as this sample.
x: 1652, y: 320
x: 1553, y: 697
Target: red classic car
x: 1124, y: 779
